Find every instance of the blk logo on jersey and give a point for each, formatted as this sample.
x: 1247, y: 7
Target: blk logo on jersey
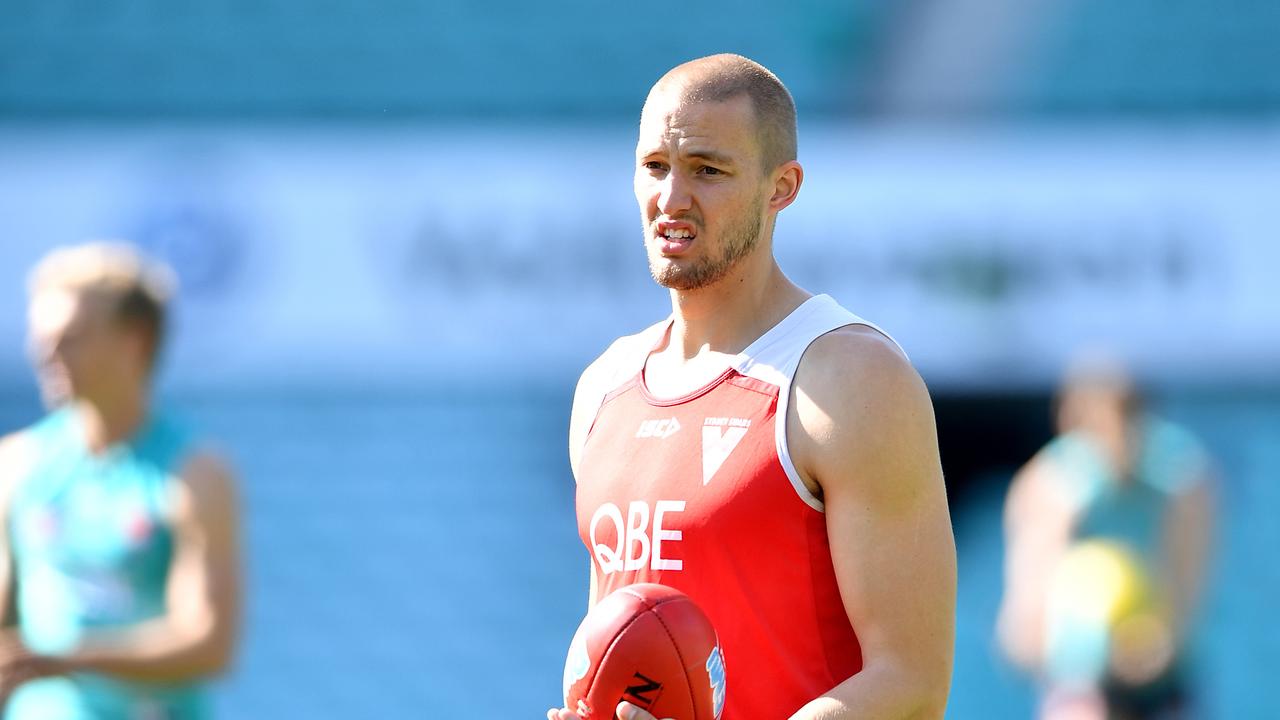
x: 719, y: 437
x: 661, y: 429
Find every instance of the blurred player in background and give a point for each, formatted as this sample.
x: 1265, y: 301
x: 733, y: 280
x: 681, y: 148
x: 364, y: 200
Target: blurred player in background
x: 1108, y: 531
x: 119, y: 560
x: 764, y: 450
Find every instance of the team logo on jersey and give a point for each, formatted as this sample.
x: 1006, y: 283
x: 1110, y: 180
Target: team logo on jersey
x: 715, y: 671
x: 627, y: 545
x: 719, y: 437
x: 661, y: 429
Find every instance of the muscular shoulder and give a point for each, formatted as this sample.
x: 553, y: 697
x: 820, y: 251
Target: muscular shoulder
x: 859, y: 402
x: 857, y: 373
x: 205, y: 486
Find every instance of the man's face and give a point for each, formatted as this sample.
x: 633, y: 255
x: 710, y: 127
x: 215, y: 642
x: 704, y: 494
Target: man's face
x: 700, y: 187
x: 1101, y: 414
x: 75, y: 347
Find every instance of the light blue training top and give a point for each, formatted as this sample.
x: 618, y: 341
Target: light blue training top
x: 1131, y: 510
x: 92, y: 542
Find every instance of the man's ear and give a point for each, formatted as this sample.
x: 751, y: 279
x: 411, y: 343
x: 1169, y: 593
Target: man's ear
x: 787, y: 179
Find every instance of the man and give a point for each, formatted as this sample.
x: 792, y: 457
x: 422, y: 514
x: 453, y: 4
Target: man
x: 119, y: 556
x: 763, y: 450
x: 1108, y: 531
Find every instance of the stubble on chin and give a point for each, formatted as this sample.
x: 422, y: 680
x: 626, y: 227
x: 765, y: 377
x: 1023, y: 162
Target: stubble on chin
x: 740, y: 240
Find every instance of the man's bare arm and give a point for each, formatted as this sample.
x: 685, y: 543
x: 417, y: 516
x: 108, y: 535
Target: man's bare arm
x: 1187, y: 540
x: 862, y: 429
x: 196, y: 636
x: 1038, y: 521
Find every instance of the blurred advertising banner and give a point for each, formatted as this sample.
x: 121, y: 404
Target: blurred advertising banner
x: 420, y: 254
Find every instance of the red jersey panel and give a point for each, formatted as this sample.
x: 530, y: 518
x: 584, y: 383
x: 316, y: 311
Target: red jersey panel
x: 699, y: 493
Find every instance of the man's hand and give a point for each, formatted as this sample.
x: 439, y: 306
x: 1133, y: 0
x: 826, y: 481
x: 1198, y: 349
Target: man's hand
x: 627, y: 711
x: 19, y: 665
x: 624, y: 711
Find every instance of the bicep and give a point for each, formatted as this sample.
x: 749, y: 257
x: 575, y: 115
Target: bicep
x: 1187, y: 535
x: 204, y: 581
x: 1038, y: 521
x: 1191, y: 512
x: 867, y: 435
x: 894, y: 555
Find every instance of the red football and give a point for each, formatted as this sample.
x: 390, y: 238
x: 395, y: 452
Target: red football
x: 651, y: 646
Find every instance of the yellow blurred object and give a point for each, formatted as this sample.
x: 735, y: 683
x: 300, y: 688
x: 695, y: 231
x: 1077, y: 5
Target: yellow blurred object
x: 1101, y: 581
x: 1100, y: 616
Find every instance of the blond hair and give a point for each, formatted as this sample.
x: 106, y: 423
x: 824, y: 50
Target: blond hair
x: 135, y: 288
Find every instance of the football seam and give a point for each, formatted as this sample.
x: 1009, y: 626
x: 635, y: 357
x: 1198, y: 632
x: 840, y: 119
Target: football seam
x: 688, y: 681
x: 613, y: 642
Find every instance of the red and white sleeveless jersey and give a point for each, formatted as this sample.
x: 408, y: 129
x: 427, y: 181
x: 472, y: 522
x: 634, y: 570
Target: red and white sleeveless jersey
x: 700, y: 493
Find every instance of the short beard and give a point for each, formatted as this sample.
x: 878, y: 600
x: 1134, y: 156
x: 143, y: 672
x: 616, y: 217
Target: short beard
x: 739, y: 241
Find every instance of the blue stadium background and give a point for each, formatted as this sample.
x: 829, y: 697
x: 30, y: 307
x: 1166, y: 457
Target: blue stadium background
x: 410, y: 539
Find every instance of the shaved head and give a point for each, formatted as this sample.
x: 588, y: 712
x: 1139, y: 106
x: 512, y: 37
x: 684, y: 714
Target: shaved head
x: 719, y: 78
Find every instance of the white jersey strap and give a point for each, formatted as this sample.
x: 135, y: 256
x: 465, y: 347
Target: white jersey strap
x: 776, y: 355
x: 621, y: 362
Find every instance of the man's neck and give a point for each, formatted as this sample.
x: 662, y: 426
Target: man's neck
x: 114, y: 419
x: 729, y: 315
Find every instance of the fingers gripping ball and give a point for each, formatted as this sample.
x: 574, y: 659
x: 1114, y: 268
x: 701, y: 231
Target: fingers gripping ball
x: 651, y: 646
